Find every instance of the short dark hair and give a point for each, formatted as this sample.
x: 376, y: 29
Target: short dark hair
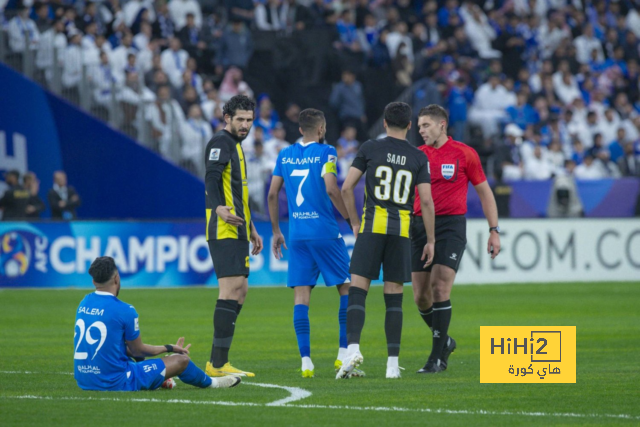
x: 103, y: 269
x: 397, y: 115
x: 14, y: 172
x: 238, y: 102
x: 435, y: 111
x: 310, y: 119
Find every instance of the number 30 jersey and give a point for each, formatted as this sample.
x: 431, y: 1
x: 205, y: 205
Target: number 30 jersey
x: 394, y: 168
x: 303, y: 167
x: 103, y: 324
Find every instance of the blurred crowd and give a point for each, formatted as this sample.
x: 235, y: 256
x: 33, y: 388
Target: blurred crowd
x: 538, y: 87
x: 21, y: 201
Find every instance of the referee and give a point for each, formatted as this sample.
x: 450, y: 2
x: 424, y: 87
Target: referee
x: 229, y: 227
x: 453, y: 166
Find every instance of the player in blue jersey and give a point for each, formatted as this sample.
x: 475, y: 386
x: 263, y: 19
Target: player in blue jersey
x: 308, y: 171
x: 107, y: 333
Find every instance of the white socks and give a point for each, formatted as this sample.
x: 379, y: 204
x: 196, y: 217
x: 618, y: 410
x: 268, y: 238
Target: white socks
x: 392, y: 362
x: 353, y: 348
x: 307, y: 364
x: 342, y: 354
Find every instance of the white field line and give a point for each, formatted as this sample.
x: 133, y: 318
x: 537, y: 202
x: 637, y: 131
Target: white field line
x: 295, y: 393
x: 334, y: 407
x: 298, y: 393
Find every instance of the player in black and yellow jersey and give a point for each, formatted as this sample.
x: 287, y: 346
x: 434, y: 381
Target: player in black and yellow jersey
x: 394, y: 168
x: 229, y: 227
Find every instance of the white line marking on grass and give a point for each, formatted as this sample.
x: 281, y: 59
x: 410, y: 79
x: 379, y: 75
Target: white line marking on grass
x: 296, y: 393
x: 36, y: 373
x: 299, y: 393
x: 335, y: 407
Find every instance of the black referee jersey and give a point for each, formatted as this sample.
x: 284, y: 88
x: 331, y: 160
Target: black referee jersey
x: 394, y: 168
x: 225, y: 184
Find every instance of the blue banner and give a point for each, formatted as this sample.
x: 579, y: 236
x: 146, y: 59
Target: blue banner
x: 58, y: 254
x: 114, y: 176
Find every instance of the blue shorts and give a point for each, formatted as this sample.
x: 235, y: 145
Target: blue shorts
x: 309, y: 258
x: 147, y: 375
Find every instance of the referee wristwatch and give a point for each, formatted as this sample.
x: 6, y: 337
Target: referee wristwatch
x: 496, y: 229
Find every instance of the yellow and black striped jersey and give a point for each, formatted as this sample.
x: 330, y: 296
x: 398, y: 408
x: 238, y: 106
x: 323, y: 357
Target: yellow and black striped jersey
x: 394, y: 168
x: 226, y: 185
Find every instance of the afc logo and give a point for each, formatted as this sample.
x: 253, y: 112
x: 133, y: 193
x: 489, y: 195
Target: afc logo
x: 15, y: 255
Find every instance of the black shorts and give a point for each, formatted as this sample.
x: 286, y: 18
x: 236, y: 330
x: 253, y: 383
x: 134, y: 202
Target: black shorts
x: 373, y: 250
x: 230, y: 257
x: 451, y: 240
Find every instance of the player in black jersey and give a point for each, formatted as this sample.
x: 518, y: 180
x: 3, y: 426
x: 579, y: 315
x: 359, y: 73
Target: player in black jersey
x: 394, y: 168
x: 229, y: 227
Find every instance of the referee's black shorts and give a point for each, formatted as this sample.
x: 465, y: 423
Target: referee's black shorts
x: 373, y: 250
x: 451, y: 240
x: 230, y: 257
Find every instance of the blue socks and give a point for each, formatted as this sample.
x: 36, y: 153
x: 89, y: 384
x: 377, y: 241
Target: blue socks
x: 301, y: 325
x: 342, y: 318
x: 195, y: 376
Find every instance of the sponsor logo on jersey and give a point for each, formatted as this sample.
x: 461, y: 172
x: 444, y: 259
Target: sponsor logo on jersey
x: 448, y: 170
x: 306, y: 215
x: 333, y: 159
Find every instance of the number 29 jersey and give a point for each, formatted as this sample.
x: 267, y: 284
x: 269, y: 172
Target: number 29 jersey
x: 393, y: 169
x: 103, y: 325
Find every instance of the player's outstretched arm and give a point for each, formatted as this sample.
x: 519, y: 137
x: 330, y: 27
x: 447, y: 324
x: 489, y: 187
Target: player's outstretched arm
x: 331, y: 183
x: 490, y: 210
x: 274, y: 215
x: 256, y: 240
x: 429, y: 218
x: 139, y: 349
x: 218, y: 157
x: 349, y: 199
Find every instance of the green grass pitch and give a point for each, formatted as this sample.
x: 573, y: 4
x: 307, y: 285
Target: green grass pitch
x: 36, y: 355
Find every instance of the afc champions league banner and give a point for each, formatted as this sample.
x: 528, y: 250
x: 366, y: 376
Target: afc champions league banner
x: 58, y: 254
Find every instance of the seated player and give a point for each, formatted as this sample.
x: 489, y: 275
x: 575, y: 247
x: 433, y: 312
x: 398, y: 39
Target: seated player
x: 107, y: 331
x: 308, y: 170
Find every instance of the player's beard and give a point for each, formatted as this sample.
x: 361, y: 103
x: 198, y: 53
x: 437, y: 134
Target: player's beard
x: 321, y: 140
x: 236, y: 134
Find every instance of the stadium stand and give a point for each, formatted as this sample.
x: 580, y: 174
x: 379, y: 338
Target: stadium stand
x: 540, y: 88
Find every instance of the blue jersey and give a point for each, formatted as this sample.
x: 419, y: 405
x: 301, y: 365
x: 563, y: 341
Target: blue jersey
x: 103, y: 324
x: 303, y: 166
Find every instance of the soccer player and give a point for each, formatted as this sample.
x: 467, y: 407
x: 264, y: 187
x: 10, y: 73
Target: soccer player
x: 308, y: 170
x: 229, y: 227
x: 107, y: 332
x: 453, y: 165
x: 394, y: 168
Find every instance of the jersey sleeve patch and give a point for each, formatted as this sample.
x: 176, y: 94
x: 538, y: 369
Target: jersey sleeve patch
x: 131, y: 325
x: 214, y: 154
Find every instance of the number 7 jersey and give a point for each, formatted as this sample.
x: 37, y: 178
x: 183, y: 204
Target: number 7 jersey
x: 303, y: 167
x: 393, y: 168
